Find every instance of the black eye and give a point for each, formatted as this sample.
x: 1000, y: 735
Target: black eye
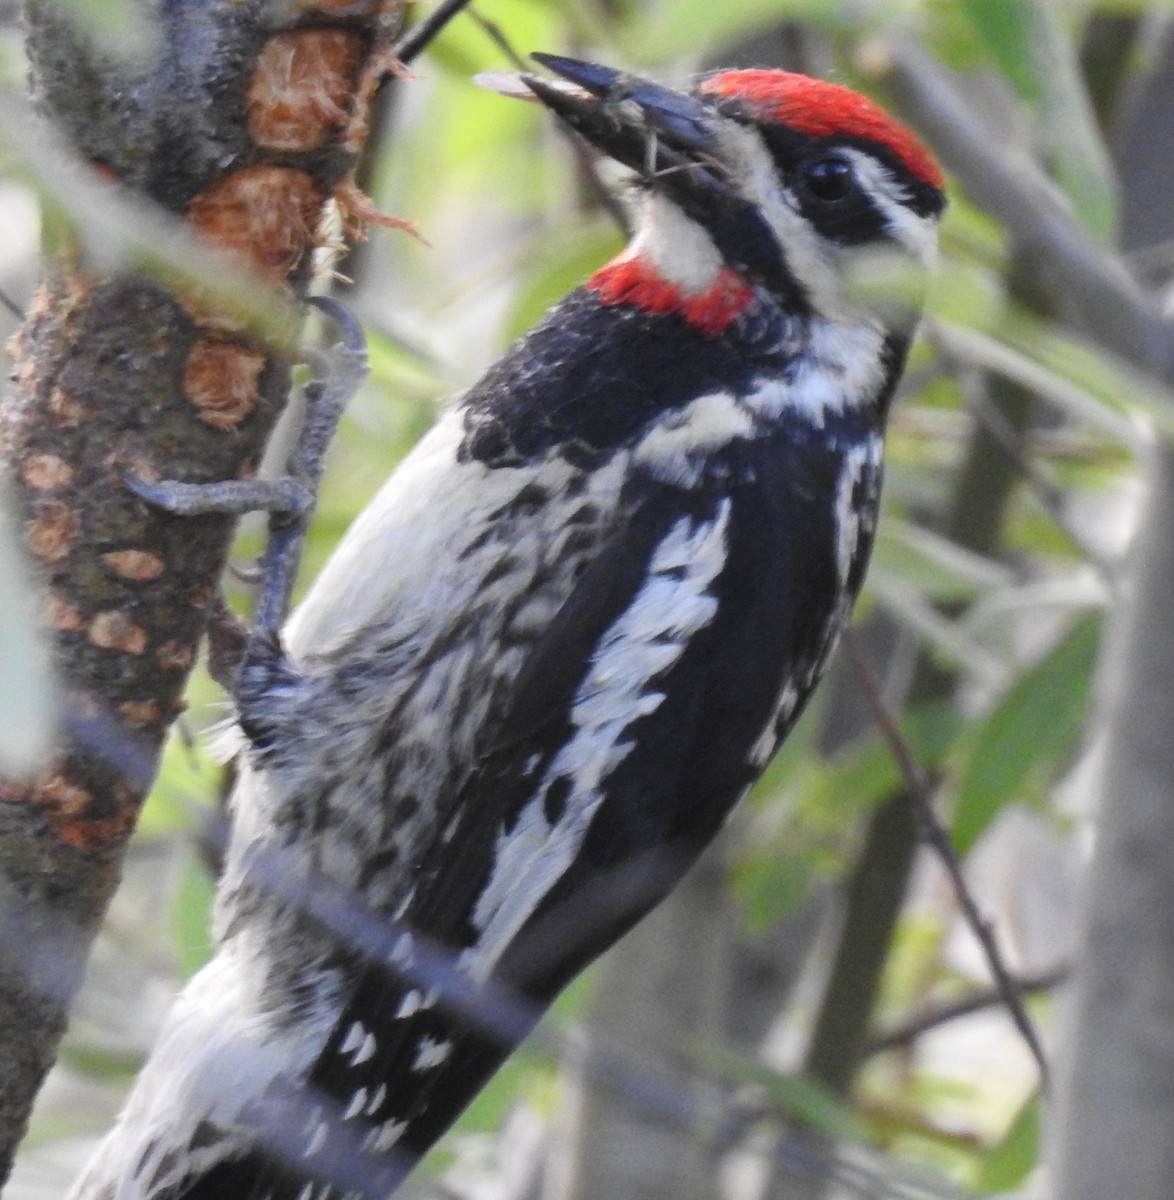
x: 828, y: 180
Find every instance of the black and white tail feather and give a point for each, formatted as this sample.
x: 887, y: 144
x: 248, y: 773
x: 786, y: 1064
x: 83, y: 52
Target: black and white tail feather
x: 552, y: 654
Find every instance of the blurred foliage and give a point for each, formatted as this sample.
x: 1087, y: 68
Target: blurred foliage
x: 512, y: 224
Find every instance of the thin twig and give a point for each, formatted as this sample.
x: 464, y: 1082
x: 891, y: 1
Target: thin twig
x: 936, y: 835
x: 911, y: 1030
x: 413, y: 43
x: 493, y: 31
x: 7, y: 301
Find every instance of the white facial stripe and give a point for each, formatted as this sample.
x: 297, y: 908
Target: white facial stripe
x: 917, y: 234
x: 645, y: 640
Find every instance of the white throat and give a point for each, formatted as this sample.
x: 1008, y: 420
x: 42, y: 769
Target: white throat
x: 679, y: 249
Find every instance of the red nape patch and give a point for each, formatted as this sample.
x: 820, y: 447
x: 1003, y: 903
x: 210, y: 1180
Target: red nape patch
x: 821, y: 109
x: 634, y: 280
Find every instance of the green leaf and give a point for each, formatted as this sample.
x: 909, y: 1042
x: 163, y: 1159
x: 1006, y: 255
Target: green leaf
x: 822, y: 803
x: 1007, y: 1166
x: 770, y: 885
x: 397, y: 370
x: 866, y: 773
x: 1006, y: 26
x: 1037, y: 723
x: 966, y: 292
x: 1080, y: 393
x: 1117, y: 384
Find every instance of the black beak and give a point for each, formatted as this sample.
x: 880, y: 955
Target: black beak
x: 657, y: 132
x: 635, y: 119
x: 668, y: 138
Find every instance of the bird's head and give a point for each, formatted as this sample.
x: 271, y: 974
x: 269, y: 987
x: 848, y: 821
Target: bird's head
x: 764, y: 180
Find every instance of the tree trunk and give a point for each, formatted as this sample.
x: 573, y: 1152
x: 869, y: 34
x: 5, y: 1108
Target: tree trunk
x: 1116, y: 1096
x: 1116, y: 1099
x: 241, y: 122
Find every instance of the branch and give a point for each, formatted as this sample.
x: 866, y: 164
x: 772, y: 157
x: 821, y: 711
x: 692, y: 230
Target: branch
x: 910, y: 1030
x: 939, y: 839
x: 1120, y: 1034
x: 416, y: 40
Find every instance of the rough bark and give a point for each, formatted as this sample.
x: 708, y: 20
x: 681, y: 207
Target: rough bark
x: 244, y: 122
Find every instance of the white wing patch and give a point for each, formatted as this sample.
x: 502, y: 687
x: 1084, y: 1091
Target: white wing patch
x: 784, y: 705
x: 647, y: 638
x: 383, y: 1137
x: 853, y: 522
x: 674, y: 449
x: 411, y: 1004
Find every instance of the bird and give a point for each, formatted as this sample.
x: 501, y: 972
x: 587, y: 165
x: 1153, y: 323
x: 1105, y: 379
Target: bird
x: 556, y: 649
